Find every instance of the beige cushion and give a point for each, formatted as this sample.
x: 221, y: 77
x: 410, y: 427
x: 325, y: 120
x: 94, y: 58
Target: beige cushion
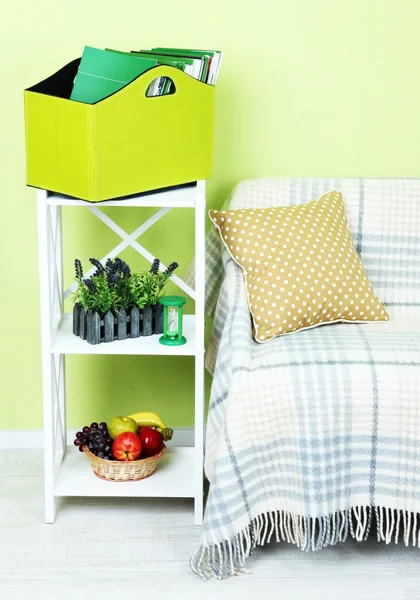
x: 300, y: 264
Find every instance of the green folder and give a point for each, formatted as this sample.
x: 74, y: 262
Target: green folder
x: 178, y: 62
x: 102, y: 73
x: 163, y: 86
x: 204, y: 58
x: 204, y: 55
x: 163, y: 58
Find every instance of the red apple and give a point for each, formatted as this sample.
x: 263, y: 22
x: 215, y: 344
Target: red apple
x: 126, y: 446
x: 151, y: 441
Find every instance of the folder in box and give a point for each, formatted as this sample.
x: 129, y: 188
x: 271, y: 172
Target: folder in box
x: 102, y: 73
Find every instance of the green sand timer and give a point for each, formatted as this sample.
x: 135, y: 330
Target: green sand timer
x: 172, y: 320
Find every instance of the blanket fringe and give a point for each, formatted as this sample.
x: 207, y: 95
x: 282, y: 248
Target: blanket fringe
x: 308, y: 533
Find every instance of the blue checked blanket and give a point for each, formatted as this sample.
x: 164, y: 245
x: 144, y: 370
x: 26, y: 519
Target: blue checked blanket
x: 315, y: 436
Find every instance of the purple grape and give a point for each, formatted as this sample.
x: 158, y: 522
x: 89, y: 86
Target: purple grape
x: 105, y: 433
x: 79, y: 435
x: 81, y: 449
x: 86, y: 429
x: 77, y: 443
x: 100, y: 454
x: 103, y: 425
x: 107, y: 449
x: 94, y: 425
x: 109, y: 441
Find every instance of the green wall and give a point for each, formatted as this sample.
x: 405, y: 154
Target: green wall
x: 307, y: 88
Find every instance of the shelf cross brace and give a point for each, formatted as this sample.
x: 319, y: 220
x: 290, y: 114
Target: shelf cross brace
x: 131, y: 240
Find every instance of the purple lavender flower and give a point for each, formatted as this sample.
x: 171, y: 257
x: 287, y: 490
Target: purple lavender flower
x: 126, y: 271
x: 155, y: 266
x: 122, y: 267
x: 171, y: 268
x: 99, y: 266
x: 110, y: 271
x: 78, y: 269
x: 90, y: 285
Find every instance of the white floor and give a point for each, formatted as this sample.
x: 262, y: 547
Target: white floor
x: 139, y: 549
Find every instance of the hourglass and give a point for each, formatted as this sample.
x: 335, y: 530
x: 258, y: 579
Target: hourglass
x: 172, y: 320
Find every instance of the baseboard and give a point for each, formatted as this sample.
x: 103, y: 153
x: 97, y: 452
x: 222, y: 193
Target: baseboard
x: 34, y: 438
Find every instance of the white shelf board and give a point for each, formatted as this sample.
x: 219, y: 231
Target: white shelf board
x: 172, y: 478
x: 182, y: 197
x: 67, y: 343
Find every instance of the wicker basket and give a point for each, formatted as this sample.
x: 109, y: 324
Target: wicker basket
x: 132, y: 470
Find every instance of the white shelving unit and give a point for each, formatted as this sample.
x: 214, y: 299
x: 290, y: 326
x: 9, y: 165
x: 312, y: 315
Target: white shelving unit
x: 67, y: 473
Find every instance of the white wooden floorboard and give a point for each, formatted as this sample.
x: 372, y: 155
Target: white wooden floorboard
x: 139, y: 548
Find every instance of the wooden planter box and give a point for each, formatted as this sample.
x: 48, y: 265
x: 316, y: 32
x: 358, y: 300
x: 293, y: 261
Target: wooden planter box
x: 96, y: 328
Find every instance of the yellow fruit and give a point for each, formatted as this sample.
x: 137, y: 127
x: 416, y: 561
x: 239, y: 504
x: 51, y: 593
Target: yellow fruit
x: 150, y: 419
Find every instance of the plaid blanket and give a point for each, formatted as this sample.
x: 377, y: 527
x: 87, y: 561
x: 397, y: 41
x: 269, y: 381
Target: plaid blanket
x: 315, y: 436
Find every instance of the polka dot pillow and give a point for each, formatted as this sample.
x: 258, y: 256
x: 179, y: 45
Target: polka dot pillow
x: 300, y: 265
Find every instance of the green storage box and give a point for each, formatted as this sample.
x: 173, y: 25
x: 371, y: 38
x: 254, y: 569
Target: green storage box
x: 126, y: 144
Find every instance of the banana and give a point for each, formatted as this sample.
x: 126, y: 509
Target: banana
x: 150, y: 419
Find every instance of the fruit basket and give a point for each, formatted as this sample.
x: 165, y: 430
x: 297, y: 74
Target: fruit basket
x: 132, y: 470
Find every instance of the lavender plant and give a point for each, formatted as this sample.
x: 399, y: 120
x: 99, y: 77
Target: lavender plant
x: 118, y: 276
x: 163, y: 277
x: 114, y: 286
x: 147, y: 288
x: 94, y: 293
x: 144, y: 289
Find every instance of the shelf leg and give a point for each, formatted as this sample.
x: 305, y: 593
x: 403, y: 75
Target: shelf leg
x: 58, y: 312
x: 50, y: 510
x: 49, y: 438
x: 198, y: 509
x: 50, y: 507
x: 200, y: 265
x: 50, y: 277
